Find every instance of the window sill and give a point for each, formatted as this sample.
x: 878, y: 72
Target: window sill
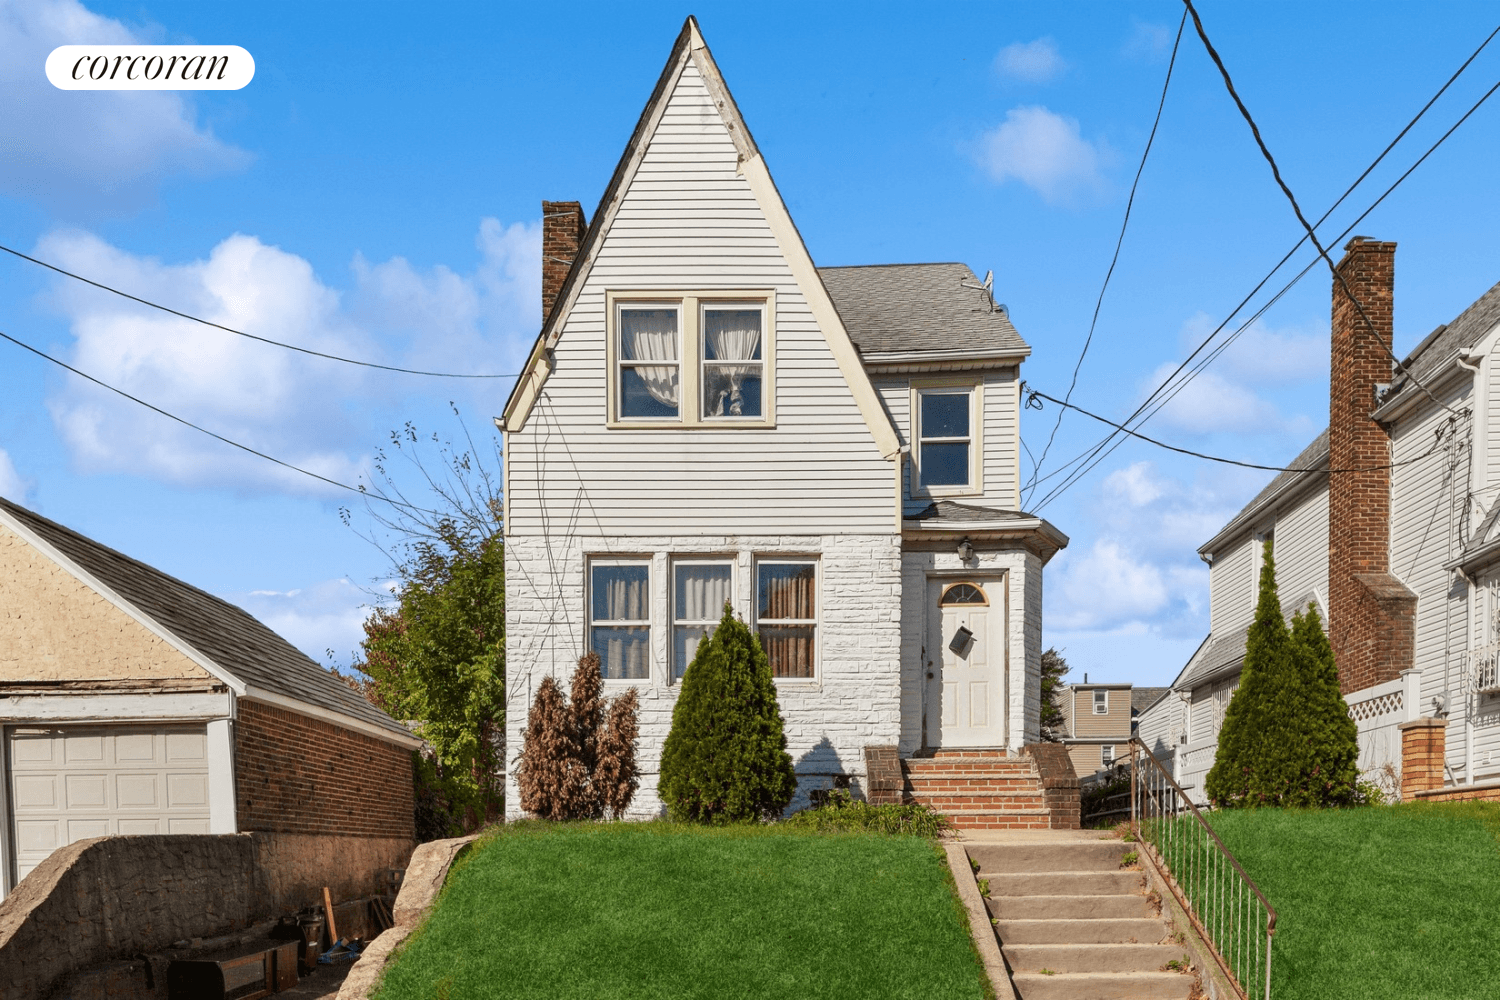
x: 690, y: 425
x: 947, y: 492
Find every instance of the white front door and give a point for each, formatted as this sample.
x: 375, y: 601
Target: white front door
x: 71, y: 783
x: 965, y: 663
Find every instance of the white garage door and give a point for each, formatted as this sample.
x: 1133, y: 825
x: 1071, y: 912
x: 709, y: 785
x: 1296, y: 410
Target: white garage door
x: 69, y: 784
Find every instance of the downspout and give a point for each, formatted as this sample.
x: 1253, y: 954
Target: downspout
x: 1468, y: 610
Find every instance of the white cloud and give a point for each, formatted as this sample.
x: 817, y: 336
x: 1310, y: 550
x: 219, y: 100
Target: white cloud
x: 12, y: 486
x: 300, y: 409
x: 1147, y: 41
x: 85, y: 151
x: 324, y: 616
x: 1211, y: 403
x: 1263, y: 355
x: 1046, y: 152
x: 1030, y: 62
x: 1107, y: 586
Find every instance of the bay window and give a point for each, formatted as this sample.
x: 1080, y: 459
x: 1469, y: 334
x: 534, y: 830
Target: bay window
x: 786, y: 615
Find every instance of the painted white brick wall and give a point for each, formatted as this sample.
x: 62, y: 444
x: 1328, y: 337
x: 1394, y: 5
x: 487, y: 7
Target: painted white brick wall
x: 1024, y: 617
x: 855, y: 700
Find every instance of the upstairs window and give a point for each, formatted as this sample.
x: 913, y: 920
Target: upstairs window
x: 691, y: 359
x: 1101, y: 702
x: 945, y: 438
x: 650, y: 382
x: 733, y: 365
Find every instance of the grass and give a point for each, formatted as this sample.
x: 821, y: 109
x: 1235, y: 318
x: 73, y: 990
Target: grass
x: 1376, y: 903
x: 658, y: 910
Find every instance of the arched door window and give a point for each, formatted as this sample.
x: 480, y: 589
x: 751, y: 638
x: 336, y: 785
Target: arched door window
x: 962, y: 593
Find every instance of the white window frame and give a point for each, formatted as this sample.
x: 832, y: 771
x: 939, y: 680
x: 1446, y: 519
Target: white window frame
x: 975, y: 439
x: 816, y: 621
x: 590, y: 623
x: 1101, y: 706
x: 704, y: 308
x: 690, y: 306
x: 693, y: 560
x: 1107, y: 755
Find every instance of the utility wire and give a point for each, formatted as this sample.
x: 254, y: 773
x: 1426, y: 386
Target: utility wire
x: 1095, y: 450
x: 237, y: 333
x: 217, y: 437
x: 1037, y: 394
x: 1119, y: 242
x: 1311, y: 234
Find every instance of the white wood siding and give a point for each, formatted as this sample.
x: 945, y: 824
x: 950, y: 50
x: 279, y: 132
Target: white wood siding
x: 1231, y: 597
x: 1160, y: 726
x: 998, y: 437
x: 688, y: 220
x: 1301, y: 548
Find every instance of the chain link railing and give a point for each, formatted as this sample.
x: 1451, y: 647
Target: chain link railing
x: 1224, y: 903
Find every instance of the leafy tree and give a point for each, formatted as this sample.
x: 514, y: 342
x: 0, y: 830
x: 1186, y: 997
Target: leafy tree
x: 1053, y: 720
x: 437, y: 657
x: 1287, y: 738
x: 578, y: 761
x: 725, y: 759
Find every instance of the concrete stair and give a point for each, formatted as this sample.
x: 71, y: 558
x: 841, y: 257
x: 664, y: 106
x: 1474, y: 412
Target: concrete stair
x: 1074, y: 925
x: 978, y: 789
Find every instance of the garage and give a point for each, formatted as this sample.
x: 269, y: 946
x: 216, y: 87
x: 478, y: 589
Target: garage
x: 70, y: 783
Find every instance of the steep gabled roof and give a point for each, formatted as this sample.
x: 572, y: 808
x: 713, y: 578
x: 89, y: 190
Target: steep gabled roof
x: 1464, y: 333
x: 690, y: 49
x: 920, y: 308
x: 231, y: 640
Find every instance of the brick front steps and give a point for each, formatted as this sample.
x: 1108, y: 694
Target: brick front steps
x: 979, y: 789
x: 1061, y: 903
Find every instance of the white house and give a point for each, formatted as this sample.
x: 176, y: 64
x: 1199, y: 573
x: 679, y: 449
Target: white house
x: 706, y: 417
x: 1390, y: 531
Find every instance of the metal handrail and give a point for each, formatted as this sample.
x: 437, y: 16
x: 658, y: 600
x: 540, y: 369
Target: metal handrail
x: 1213, y: 889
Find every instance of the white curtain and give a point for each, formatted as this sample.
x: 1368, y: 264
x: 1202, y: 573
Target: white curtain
x: 624, y: 598
x: 733, y: 335
x: 651, y: 335
x: 701, y: 592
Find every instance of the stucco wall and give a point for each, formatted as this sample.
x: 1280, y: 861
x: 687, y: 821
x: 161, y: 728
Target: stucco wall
x: 855, y: 699
x: 53, y: 627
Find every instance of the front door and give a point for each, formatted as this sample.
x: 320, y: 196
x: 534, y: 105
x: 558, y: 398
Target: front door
x: 965, y: 663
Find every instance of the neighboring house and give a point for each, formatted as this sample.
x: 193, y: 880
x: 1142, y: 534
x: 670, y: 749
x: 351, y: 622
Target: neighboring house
x: 133, y: 703
x: 707, y: 417
x: 1398, y: 548
x: 1100, y: 711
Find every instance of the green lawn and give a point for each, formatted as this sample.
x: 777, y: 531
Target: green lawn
x: 645, y: 910
x: 1384, y: 902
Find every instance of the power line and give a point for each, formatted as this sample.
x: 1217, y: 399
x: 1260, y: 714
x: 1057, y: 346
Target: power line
x: 1037, y: 394
x: 217, y: 437
x: 1119, y: 242
x: 1297, y: 209
x: 237, y: 333
x: 1088, y: 456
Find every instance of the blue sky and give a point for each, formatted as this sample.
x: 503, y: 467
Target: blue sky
x: 375, y: 192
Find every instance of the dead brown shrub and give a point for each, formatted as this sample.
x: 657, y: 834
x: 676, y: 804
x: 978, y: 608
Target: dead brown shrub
x: 578, y: 759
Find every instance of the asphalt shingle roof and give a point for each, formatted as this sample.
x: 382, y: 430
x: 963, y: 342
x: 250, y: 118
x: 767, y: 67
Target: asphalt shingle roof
x: 230, y: 637
x: 946, y: 511
x: 1222, y: 654
x: 901, y: 308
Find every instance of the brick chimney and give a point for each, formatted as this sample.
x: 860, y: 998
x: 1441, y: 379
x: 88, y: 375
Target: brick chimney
x: 1372, y: 614
x: 563, y: 227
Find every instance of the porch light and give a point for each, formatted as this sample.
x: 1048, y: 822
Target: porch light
x: 965, y: 551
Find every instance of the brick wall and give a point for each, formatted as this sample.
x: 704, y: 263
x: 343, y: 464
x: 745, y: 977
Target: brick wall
x: 1423, y: 748
x: 1371, y: 613
x: 563, y: 227
x: 297, y: 774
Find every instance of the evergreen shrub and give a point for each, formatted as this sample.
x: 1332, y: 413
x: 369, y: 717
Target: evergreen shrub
x: 1287, y: 738
x: 725, y: 759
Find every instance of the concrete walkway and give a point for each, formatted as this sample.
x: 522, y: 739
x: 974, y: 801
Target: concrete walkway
x: 1073, y: 923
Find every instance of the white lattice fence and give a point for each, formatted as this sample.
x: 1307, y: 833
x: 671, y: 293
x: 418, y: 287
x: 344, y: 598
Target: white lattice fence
x: 1377, y: 712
